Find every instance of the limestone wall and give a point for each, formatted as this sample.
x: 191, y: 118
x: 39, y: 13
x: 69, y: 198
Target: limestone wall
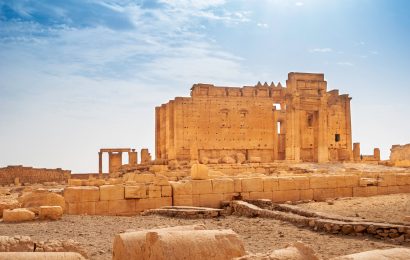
x: 400, y: 155
x: 146, y: 191
x: 9, y: 174
x: 209, y: 193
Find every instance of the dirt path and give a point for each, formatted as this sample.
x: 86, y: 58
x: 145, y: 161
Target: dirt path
x: 96, y: 233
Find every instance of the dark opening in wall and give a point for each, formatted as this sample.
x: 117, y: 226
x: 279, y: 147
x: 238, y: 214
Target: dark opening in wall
x: 337, y: 137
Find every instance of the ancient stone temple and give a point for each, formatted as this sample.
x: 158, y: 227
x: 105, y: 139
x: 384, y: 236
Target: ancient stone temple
x: 263, y: 123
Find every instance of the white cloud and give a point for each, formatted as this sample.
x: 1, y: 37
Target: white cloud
x: 321, y: 50
x: 299, y: 3
x: 262, y: 25
x: 345, y: 63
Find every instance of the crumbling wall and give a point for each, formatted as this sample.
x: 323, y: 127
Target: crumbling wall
x: 400, y: 155
x: 9, y: 174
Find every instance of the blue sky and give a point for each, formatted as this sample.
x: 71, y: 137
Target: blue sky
x: 79, y: 75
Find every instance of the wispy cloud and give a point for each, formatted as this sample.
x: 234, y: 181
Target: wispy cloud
x: 323, y: 50
x: 345, y: 63
x: 299, y: 4
x: 262, y: 25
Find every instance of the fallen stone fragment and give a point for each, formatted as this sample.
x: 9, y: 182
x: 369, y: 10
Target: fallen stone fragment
x: 41, y: 197
x: 380, y: 254
x: 18, y: 215
x: 40, y: 256
x: 182, y: 242
x: 16, y: 244
x: 51, y: 212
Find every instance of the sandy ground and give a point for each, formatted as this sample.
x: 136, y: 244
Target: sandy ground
x: 96, y: 233
x: 386, y: 208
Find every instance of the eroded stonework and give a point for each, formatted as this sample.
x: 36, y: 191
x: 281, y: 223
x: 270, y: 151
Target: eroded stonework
x: 300, y: 122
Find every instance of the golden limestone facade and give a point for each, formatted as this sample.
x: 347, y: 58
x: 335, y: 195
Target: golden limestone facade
x: 263, y: 123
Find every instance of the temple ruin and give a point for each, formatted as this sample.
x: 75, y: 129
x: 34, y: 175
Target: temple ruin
x: 300, y: 122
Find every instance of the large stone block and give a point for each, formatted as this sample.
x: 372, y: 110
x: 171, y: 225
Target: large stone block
x: 33, y: 200
x: 86, y: 208
x: 223, y: 186
x: 403, y: 179
x: 199, y: 171
x: 270, y: 184
x: 201, y: 186
x: 112, y: 192
x: 210, y: 200
x: 166, y: 191
x: 256, y: 195
x: 285, y: 195
x: 161, y: 180
x: 237, y: 185
x: 392, y: 253
x: 323, y: 181
x: 183, y: 200
x: 293, y: 183
x: 387, y: 179
x: 101, y: 207
x: 17, y: 215
x: 173, y: 245
x: 143, y: 178
x: 119, y: 207
x: 51, y: 212
x: 138, y: 191
x: 8, y: 203
x: 252, y: 184
x: 154, y: 191
x: 81, y: 194
x: 152, y: 203
x: 306, y: 194
x: 365, y: 191
x: 181, y: 188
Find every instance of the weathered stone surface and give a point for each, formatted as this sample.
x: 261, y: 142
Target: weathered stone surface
x: 50, y: 212
x: 33, y: 200
x: 40, y: 255
x: 16, y: 244
x: 138, y: 191
x: 8, y: 203
x: 199, y: 172
x: 173, y: 243
x: 17, y: 215
x: 112, y: 192
x: 393, y: 253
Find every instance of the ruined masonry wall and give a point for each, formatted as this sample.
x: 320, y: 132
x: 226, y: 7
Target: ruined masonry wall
x: 209, y: 193
x: 32, y: 175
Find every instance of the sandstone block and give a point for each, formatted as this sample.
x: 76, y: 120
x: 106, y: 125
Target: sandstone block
x: 181, y: 188
x: 293, y: 183
x: 16, y: 244
x: 119, y: 207
x: 403, y: 179
x: 144, y: 178
x: 199, y: 171
x: 255, y: 159
x: 365, y: 191
x: 255, y: 195
x: 166, y: 191
x: 138, y: 191
x: 35, y: 199
x: 74, y: 182
x: 8, y: 203
x: 306, y: 194
x: 154, y: 191
x: 237, y: 185
x: 17, y: 215
x: 201, y: 186
x: 51, y: 212
x: 183, y: 200
x: 81, y: 194
x: 161, y: 180
x: 228, y: 160
x: 86, y: 208
x: 392, y: 253
x: 112, y: 192
x: 40, y: 255
x: 252, y: 184
x: 210, y: 200
x: 240, y: 158
x: 270, y: 184
x: 404, y: 189
x: 173, y: 244
x: 285, y: 195
x: 152, y: 203
x: 101, y: 207
x: 223, y: 186
x: 323, y: 182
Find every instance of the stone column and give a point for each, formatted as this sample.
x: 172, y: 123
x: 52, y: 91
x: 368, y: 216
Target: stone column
x: 100, y: 164
x: 322, y: 149
x: 349, y: 128
x: 376, y: 154
x: 133, y: 157
x: 275, y: 135
x: 356, y: 152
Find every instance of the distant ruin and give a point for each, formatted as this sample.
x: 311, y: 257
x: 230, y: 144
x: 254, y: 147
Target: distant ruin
x: 263, y: 123
x: 18, y: 174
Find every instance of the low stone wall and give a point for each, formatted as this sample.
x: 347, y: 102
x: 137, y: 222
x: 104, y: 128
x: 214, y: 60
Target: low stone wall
x: 127, y: 198
x: 210, y: 193
x: 21, y: 174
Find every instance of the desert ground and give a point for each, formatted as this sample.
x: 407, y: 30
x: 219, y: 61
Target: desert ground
x: 96, y: 233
